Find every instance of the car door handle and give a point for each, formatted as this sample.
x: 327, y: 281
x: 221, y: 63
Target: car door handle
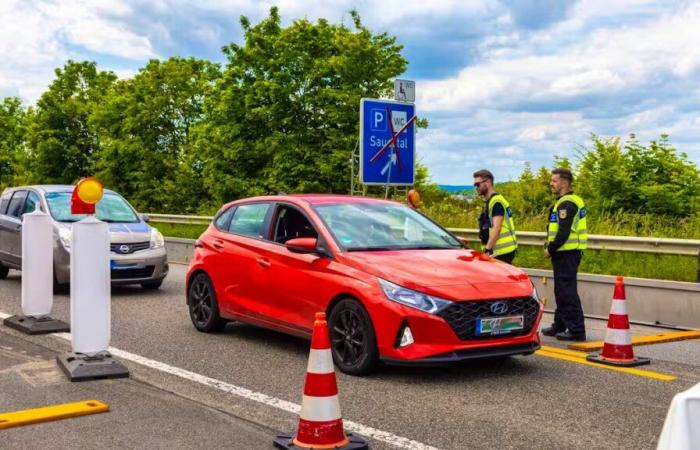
x: 264, y: 262
x: 217, y: 244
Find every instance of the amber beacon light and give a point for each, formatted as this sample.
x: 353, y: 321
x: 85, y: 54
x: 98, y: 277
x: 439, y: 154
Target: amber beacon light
x: 86, y: 194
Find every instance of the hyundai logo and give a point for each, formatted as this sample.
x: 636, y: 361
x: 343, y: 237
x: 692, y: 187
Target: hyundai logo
x: 499, y: 308
x: 125, y: 249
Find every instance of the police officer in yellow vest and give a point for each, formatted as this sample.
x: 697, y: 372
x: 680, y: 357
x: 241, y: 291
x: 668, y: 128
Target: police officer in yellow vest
x: 566, y: 239
x: 496, y: 221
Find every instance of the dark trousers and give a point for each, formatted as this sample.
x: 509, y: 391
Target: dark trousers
x: 507, y: 258
x: 569, y: 313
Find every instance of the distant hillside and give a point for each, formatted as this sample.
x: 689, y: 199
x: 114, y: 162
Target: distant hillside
x: 456, y: 188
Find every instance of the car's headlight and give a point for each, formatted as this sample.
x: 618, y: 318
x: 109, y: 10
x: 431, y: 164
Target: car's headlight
x: 534, y: 294
x: 157, y: 240
x: 65, y: 235
x: 412, y: 298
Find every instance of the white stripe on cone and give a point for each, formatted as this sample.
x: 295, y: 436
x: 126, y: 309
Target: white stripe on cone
x: 618, y: 307
x: 320, y: 409
x: 320, y: 361
x: 618, y: 337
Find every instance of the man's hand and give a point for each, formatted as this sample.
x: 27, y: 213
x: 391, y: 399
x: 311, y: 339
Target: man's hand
x: 546, y: 253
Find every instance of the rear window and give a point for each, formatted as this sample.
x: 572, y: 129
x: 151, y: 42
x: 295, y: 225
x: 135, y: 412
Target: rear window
x: 16, y: 204
x: 249, y: 220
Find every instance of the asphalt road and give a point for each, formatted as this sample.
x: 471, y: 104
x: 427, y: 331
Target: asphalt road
x: 523, y: 402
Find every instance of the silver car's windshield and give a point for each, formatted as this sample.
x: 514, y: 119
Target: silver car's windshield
x: 383, y: 226
x: 112, y: 208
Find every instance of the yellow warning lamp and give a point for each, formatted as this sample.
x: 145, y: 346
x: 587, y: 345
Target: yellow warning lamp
x: 86, y: 194
x: 413, y: 198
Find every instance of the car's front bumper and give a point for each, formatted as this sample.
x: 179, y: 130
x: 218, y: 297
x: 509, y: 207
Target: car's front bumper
x: 146, y: 266
x: 465, y: 355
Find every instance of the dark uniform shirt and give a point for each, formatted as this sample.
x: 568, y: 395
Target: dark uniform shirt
x: 566, y: 212
x: 485, y: 221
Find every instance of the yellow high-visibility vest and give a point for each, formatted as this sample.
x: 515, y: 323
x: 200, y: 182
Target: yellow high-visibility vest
x: 578, y: 237
x: 507, y: 242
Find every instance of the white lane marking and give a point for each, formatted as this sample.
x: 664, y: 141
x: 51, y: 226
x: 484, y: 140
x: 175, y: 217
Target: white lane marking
x: 366, y: 431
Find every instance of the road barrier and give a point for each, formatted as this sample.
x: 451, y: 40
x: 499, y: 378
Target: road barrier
x: 675, y: 304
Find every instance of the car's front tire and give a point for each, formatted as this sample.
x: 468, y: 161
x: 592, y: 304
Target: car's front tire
x: 203, y: 305
x: 353, y: 342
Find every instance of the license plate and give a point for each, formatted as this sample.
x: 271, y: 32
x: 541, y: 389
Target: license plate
x: 498, y: 325
x: 116, y: 266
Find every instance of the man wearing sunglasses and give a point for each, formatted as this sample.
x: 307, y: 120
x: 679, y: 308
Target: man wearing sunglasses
x: 496, y: 226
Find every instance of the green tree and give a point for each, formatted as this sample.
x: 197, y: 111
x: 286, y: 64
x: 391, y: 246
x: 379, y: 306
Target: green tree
x: 146, y: 124
x: 652, y: 179
x: 13, y: 121
x: 62, y: 142
x: 284, y: 116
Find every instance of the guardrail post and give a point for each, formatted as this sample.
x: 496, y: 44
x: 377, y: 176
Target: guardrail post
x: 698, y: 278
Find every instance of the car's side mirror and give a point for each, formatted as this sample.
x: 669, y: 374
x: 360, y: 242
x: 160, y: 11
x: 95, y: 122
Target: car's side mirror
x: 302, y: 245
x: 145, y: 217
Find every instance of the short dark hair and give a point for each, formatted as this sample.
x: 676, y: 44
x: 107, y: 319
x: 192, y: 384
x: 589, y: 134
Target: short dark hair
x: 564, y: 174
x: 483, y: 173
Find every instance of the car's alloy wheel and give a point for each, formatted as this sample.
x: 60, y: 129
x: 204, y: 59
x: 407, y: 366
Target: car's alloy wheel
x: 203, y: 305
x: 353, y: 343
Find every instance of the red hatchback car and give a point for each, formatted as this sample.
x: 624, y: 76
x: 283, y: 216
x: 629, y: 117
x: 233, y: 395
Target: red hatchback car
x: 396, y: 287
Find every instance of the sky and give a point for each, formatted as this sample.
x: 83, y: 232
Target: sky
x: 501, y: 83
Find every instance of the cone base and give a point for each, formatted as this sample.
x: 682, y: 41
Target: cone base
x: 79, y: 367
x: 286, y: 442
x: 32, y: 325
x: 637, y: 361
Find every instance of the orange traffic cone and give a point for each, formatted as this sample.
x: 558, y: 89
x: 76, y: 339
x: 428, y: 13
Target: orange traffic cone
x: 617, y: 349
x: 320, y: 422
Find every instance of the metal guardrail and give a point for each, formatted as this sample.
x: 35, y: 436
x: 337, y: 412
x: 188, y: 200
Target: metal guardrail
x: 687, y: 247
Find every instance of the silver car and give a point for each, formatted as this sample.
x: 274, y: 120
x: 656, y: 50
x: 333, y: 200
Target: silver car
x: 137, y: 250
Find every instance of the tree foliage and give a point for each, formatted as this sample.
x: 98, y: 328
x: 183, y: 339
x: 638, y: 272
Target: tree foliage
x: 145, y: 126
x: 62, y: 143
x: 284, y: 115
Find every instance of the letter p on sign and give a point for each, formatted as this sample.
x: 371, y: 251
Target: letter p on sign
x: 379, y: 121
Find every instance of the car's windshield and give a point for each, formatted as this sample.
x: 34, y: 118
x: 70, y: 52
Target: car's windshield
x: 112, y: 208
x: 383, y: 226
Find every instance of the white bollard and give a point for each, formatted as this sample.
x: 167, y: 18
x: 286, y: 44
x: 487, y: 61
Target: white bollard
x: 37, y: 264
x: 90, y: 296
x: 37, y: 278
x: 680, y: 431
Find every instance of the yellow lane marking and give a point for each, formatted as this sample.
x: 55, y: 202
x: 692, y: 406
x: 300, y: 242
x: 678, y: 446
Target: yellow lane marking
x: 580, y: 358
x: 648, y: 339
x: 48, y: 413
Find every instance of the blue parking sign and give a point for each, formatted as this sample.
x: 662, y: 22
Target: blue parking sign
x: 387, y: 142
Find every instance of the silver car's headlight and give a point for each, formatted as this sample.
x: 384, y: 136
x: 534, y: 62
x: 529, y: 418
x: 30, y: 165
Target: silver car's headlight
x: 414, y: 299
x: 65, y: 235
x: 157, y: 239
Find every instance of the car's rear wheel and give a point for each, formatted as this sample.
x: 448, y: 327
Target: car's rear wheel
x: 353, y: 342
x: 203, y: 305
x: 3, y: 271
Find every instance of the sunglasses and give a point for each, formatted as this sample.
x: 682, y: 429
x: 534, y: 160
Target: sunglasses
x: 479, y: 183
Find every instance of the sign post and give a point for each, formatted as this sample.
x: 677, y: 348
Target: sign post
x: 387, y: 142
